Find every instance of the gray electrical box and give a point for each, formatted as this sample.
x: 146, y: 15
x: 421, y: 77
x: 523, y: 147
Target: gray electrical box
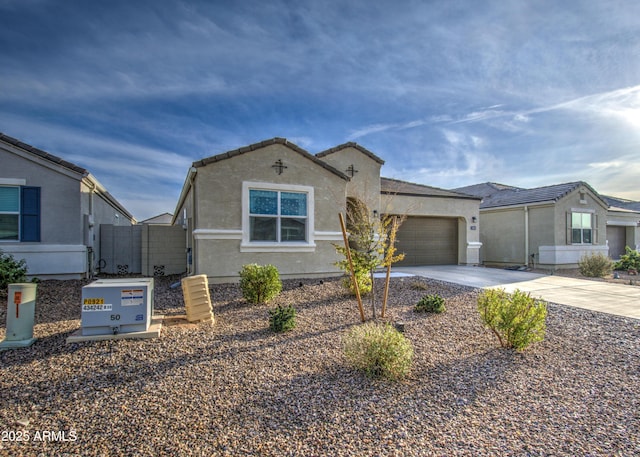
x: 112, y: 306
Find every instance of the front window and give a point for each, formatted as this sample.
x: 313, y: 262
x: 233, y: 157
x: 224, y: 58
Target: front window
x: 581, y: 228
x: 9, y: 213
x: 277, y: 216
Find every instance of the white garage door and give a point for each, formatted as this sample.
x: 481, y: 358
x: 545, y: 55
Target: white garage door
x: 428, y: 241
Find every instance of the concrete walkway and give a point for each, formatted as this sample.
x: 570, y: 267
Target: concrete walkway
x: 619, y: 299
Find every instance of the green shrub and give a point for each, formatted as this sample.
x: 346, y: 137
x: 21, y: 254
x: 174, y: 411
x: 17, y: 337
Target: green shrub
x: 417, y: 285
x: 630, y: 260
x: 363, y: 279
x: 379, y: 350
x: 259, y: 284
x: 282, y: 318
x: 430, y: 304
x: 516, y: 319
x: 12, y: 271
x: 595, y: 265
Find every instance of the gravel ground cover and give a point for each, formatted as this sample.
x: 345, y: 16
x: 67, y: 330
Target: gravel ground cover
x: 236, y: 388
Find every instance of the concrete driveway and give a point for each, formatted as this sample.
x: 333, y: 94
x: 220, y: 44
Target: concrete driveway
x: 619, y: 299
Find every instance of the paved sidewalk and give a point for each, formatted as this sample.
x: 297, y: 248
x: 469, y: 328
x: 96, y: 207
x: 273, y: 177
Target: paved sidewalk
x: 601, y: 296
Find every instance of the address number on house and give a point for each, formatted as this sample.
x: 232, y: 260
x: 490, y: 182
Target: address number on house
x: 97, y: 307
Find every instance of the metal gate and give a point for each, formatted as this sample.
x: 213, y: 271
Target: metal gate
x: 120, y: 249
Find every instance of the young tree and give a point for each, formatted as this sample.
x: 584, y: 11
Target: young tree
x: 372, y: 245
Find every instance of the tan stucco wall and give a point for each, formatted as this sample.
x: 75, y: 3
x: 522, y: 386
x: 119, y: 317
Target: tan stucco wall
x: 505, y: 240
x: 573, y: 202
x: 541, y: 230
x: 218, y: 209
x: 461, y: 209
x: 60, y: 221
x: 502, y: 236
x: 630, y: 221
x: 163, y: 247
x: 365, y: 184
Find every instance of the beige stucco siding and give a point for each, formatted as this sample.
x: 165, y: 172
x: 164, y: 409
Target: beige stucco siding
x: 219, y: 186
x: 512, y: 235
x: 503, y: 236
x: 365, y: 182
x: 574, y: 202
x: 59, y: 196
x: 541, y: 230
x: 461, y: 209
x: 629, y: 223
x: 218, y: 226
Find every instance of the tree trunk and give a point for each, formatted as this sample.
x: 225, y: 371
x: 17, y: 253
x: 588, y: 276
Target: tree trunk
x: 373, y: 296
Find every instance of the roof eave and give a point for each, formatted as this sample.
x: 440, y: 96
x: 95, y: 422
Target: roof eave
x: 263, y: 144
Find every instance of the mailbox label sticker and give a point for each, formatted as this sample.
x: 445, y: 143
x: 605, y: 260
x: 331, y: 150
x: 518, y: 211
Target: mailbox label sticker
x: 97, y: 307
x: 132, y: 297
x: 139, y: 317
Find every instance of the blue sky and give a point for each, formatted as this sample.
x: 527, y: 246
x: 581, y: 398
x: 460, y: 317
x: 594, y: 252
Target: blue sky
x: 448, y: 93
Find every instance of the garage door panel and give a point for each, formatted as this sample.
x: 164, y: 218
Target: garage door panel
x: 428, y: 241
x: 616, y: 236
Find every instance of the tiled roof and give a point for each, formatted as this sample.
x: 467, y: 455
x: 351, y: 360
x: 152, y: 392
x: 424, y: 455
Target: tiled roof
x: 484, y: 189
x: 43, y: 154
x: 262, y: 144
x: 351, y: 145
x: 397, y: 187
x: 164, y: 218
x: 622, y: 203
x: 68, y: 165
x: 518, y: 196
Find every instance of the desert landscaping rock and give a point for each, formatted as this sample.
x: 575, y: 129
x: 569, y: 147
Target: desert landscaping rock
x: 236, y: 388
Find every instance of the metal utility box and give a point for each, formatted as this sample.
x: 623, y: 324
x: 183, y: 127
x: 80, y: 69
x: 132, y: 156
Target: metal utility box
x: 112, y: 306
x: 21, y: 310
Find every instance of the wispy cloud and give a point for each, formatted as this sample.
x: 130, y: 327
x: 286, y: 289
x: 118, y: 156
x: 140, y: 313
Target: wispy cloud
x: 547, y: 89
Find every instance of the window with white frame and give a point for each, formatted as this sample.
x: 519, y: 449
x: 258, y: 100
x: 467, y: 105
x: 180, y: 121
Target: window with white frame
x: 277, y: 217
x: 581, y: 228
x: 9, y: 213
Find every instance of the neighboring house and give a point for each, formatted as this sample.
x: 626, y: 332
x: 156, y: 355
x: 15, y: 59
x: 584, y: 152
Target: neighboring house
x: 623, y: 225
x: 51, y: 211
x: 160, y: 219
x: 551, y: 227
x: 275, y: 203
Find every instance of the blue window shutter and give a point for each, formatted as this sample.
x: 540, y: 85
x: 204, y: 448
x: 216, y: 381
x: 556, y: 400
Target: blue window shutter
x: 30, y: 214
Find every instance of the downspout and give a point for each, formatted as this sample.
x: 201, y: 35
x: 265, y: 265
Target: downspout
x: 91, y: 251
x: 526, y: 235
x: 192, y: 177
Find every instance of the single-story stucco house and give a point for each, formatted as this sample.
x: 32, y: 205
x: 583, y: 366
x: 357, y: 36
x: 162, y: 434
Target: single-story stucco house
x: 275, y: 203
x: 51, y: 211
x: 550, y: 227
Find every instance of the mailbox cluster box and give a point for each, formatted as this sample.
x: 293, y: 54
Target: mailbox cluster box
x: 112, y: 306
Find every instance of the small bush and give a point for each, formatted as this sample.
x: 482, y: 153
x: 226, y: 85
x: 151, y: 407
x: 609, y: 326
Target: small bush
x: 630, y: 260
x: 259, y: 284
x: 595, y: 265
x: 516, y: 319
x: 12, y: 271
x: 364, y: 283
x: 282, y: 318
x: 417, y: 285
x: 379, y: 350
x: 430, y: 304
